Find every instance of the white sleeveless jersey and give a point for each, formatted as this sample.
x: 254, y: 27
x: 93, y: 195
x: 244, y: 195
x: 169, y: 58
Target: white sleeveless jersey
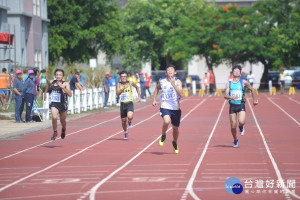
x: 169, y: 97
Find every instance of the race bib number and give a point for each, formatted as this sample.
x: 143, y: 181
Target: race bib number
x: 55, y: 97
x: 237, y: 93
x: 124, y: 97
x: 169, y: 95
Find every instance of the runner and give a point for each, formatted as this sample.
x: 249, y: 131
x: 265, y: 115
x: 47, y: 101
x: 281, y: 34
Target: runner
x: 124, y: 92
x: 58, y: 91
x: 236, y: 96
x: 170, y: 109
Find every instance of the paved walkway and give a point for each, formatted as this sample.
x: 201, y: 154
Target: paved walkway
x: 9, y: 128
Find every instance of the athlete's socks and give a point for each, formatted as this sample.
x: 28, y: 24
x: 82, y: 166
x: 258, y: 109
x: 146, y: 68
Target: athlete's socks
x: 54, y: 135
x: 63, y: 133
x: 129, y: 122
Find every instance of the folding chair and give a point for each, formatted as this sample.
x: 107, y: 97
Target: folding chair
x: 40, y: 112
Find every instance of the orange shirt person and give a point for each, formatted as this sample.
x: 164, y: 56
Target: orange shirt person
x: 4, y: 83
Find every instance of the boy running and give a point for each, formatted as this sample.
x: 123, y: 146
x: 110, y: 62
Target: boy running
x: 170, y: 109
x: 234, y: 92
x: 59, y: 90
x: 124, y: 92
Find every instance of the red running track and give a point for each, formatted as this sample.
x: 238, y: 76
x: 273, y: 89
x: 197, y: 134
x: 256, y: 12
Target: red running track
x: 94, y: 162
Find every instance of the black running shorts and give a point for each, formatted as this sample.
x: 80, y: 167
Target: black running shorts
x: 125, y: 108
x: 236, y: 108
x: 61, y: 107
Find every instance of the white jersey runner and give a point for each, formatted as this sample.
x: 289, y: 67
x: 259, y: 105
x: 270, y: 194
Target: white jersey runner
x: 169, y: 97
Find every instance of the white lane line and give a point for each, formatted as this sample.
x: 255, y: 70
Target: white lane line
x: 69, y: 157
x: 69, y: 134
x: 291, y: 98
x: 272, y: 158
x: 236, y: 163
x: 189, y: 187
x: 93, y: 191
x: 284, y: 111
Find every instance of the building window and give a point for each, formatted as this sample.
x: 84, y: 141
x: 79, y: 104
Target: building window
x: 35, y: 58
x: 36, y: 7
x: 40, y: 60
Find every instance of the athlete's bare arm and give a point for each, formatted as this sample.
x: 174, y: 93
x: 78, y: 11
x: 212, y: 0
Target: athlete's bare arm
x: 157, y: 88
x: 65, y: 87
x: 247, y: 85
x: 137, y: 89
x: 227, y: 96
x: 177, y: 87
x: 119, y: 91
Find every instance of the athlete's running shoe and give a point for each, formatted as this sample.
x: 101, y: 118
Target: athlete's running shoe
x: 126, y: 136
x: 242, y: 130
x: 54, y: 136
x: 236, y: 143
x: 162, y: 140
x: 63, y: 133
x: 175, y: 147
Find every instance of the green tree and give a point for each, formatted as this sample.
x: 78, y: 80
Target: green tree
x: 147, y: 26
x: 278, y: 33
x: 80, y: 28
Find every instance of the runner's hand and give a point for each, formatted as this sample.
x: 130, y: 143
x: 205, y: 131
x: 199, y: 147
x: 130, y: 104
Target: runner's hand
x: 154, y: 103
x: 45, y: 95
x: 60, y: 84
x: 139, y: 99
x: 234, y: 98
x: 172, y: 80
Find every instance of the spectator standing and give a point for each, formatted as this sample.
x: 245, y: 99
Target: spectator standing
x: 18, y: 86
x: 143, y: 87
x: 43, y: 81
x: 148, y: 83
x: 4, y: 84
x: 188, y: 84
x: 117, y: 80
x: 211, y: 82
x: 28, y: 91
x: 106, y: 87
x: 243, y: 75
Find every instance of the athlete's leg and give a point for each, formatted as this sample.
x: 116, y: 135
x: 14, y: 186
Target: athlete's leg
x: 175, y: 133
x: 54, y: 113
x: 242, y: 118
x: 167, y: 120
x: 232, y: 118
x: 130, y: 117
x: 63, y: 117
x: 124, y: 123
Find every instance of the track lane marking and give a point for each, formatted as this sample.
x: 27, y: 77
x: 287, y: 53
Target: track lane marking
x: 94, y: 189
x: 69, y: 134
x: 189, y: 187
x: 277, y: 171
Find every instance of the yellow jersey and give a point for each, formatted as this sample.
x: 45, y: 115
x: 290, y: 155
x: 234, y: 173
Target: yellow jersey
x: 126, y: 95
